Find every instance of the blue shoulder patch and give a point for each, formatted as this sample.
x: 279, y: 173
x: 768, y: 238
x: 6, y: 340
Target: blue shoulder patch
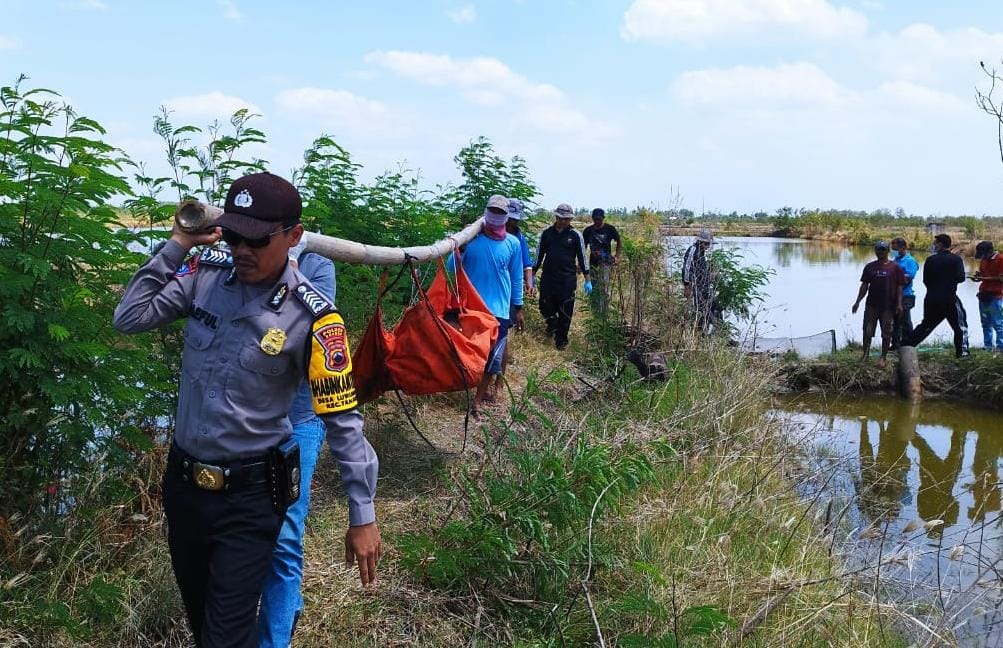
x: 216, y: 257
x: 188, y: 266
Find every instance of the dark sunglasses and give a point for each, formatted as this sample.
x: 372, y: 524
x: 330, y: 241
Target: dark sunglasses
x: 234, y: 239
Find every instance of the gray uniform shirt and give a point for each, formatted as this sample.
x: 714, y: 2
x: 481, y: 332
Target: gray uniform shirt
x: 235, y: 397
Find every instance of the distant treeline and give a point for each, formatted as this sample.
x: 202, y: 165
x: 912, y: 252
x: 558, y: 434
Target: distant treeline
x: 854, y: 226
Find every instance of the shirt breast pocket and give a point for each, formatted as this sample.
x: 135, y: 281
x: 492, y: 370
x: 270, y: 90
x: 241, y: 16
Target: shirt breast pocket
x: 198, y: 339
x: 261, y: 380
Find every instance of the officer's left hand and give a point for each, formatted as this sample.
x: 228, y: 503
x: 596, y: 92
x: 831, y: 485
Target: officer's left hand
x: 363, y: 543
x: 588, y: 287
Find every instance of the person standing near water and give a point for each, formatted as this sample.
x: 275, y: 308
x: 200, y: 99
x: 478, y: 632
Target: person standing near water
x: 990, y: 273
x: 942, y: 272
x: 882, y: 282
x: 903, y: 322
x: 697, y: 280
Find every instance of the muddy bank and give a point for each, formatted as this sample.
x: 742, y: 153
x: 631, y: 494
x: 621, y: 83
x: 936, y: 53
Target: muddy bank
x: 977, y: 379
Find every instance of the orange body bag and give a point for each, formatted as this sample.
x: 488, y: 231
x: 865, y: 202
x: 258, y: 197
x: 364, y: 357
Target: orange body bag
x: 441, y: 343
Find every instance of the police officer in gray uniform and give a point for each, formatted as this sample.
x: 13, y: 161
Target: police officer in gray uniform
x: 256, y: 327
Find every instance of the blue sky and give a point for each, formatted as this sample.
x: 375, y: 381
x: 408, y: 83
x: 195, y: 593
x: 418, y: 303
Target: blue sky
x: 736, y: 104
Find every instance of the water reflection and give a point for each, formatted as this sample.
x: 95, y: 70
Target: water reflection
x: 948, y: 454
x: 905, y: 464
x: 937, y: 477
x: 882, y: 486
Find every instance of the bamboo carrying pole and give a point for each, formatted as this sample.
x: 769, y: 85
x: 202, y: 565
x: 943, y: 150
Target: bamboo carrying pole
x: 193, y: 216
x: 346, y: 251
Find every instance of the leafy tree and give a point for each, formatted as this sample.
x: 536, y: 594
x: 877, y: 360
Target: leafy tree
x: 71, y: 391
x: 738, y: 288
x: 484, y: 174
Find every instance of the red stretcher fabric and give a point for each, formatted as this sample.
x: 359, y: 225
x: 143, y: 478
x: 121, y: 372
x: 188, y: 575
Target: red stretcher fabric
x: 441, y: 343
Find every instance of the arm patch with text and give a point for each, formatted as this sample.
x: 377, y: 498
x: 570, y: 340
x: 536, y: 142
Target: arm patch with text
x: 330, y: 373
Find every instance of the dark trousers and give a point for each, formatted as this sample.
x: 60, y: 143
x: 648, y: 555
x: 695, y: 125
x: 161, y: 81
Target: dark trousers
x: 935, y: 312
x: 221, y: 549
x: 903, y: 321
x: 557, y: 305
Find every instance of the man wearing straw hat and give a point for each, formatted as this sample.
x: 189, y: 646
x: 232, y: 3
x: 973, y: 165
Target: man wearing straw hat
x: 561, y: 254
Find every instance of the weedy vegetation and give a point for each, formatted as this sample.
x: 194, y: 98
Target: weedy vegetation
x: 596, y: 506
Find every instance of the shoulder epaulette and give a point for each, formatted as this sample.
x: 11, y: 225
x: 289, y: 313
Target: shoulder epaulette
x: 216, y: 257
x: 314, y: 301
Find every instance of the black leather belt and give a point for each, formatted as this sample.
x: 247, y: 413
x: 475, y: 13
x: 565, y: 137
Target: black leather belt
x: 218, y: 476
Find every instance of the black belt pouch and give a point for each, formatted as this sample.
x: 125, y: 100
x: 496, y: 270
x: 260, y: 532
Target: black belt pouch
x: 284, y: 472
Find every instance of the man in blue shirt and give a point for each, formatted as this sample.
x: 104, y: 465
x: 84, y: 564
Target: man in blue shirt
x: 903, y: 322
x: 516, y: 214
x: 281, y: 599
x: 493, y: 262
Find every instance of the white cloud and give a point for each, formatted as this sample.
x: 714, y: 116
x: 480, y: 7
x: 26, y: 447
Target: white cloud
x: 214, y: 105
x: 488, y: 82
x: 922, y: 52
x: 800, y: 83
x: 86, y: 5
x: 9, y: 43
x: 481, y: 80
x: 918, y: 97
x: 230, y: 10
x: 341, y: 110
x: 463, y: 15
x: 696, y: 20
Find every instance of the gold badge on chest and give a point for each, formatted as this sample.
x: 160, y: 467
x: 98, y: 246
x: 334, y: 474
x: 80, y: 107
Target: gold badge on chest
x: 272, y: 341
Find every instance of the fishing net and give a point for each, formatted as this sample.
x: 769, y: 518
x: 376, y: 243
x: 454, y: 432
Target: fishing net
x: 808, y: 346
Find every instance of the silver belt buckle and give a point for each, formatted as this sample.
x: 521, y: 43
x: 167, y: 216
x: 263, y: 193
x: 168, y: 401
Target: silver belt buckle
x: 208, y: 477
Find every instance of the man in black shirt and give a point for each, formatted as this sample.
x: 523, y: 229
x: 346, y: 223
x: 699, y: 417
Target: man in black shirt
x: 561, y: 254
x: 599, y: 238
x: 942, y: 272
x: 882, y: 282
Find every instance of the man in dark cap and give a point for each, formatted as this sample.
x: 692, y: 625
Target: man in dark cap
x: 599, y: 238
x: 942, y: 272
x: 990, y: 274
x: 561, y: 254
x: 255, y: 328
x: 882, y: 281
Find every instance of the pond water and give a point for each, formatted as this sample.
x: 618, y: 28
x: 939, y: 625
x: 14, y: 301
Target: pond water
x: 918, y: 485
x: 901, y: 465
x: 815, y: 284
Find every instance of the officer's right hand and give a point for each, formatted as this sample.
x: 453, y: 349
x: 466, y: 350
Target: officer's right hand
x: 189, y: 240
x: 363, y: 544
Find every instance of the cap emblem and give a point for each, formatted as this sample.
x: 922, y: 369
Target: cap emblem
x: 243, y: 199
